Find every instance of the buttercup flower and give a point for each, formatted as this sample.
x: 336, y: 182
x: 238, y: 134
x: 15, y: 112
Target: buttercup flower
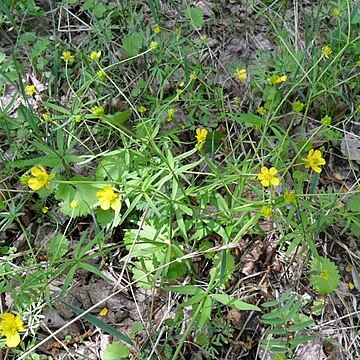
x: 95, y: 55
x: 201, y: 135
x: 30, y: 90
x: 313, y: 160
x: 266, y: 212
x: 10, y: 326
x: 45, y: 210
x: 276, y: 79
x: 97, y: 111
x: 261, y: 110
x: 108, y: 198
x: 67, y: 57
x: 154, y: 45
x: 40, y: 178
x: 326, y: 51
x: 240, y: 74
x: 103, y: 311
x: 267, y: 176
x: 157, y: 29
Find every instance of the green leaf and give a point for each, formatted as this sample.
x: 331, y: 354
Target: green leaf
x: 235, y: 303
x: 205, y: 312
x: 119, y: 118
x: 324, y: 275
x: 99, y: 323
x: 250, y: 120
x: 116, y: 351
x: 58, y: 246
x: 185, y: 289
x: 196, y: 16
x: 354, y: 203
x: 113, y: 167
x: 94, y: 270
x: 82, y: 193
x: 132, y: 43
x: 355, y: 228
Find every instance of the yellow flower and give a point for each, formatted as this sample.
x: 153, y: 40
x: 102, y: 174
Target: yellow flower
x: 326, y: 51
x: 179, y: 91
x: 203, y: 39
x: 74, y: 204
x: 201, y: 135
x: 261, y: 110
x: 30, y: 90
x: 103, y: 311
x: 45, y: 210
x: 97, y: 111
x: 10, y: 326
x: 154, y: 45
x: 95, y: 55
x: 267, y: 176
x: 157, y: 29
x: 266, y: 212
x: 240, y: 74
x: 40, y: 178
x: 68, y: 57
x: 108, y: 198
x: 313, y: 160
x: 276, y: 79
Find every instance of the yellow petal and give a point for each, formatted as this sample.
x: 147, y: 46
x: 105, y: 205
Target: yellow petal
x: 273, y: 171
x: 35, y: 184
x: 264, y: 170
x: 275, y: 181
x: 13, y: 340
x: 105, y: 204
x: 115, y: 204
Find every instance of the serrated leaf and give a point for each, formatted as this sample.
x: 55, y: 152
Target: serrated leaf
x: 58, y: 246
x: 116, y: 351
x: 132, y: 43
x: 235, y: 303
x: 196, y: 16
x: 83, y: 193
x: 112, y: 167
x: 324, y: 275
